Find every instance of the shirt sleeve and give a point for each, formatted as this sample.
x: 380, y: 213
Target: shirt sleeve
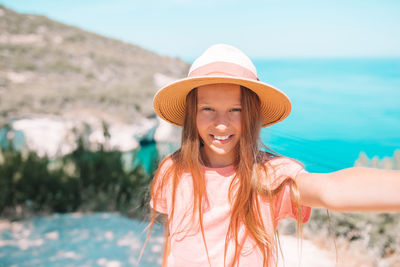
x: 284, y: 205
x: 161, y: 197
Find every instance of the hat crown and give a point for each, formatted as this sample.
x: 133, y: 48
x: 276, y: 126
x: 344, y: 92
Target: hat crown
x: 223, y: 53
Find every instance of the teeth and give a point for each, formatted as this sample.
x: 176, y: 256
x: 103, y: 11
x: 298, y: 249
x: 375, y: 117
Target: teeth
x: 221, y: 137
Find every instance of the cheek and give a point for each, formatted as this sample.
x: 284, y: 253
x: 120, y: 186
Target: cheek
x: 237, y: 122
x: 202, y: 121
x: 201, y: 125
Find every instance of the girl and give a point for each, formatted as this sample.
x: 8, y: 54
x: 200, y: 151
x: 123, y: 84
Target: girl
x: 222, y: 195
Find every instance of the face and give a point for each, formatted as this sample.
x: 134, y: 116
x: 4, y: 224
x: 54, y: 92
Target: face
x: 219, y: 122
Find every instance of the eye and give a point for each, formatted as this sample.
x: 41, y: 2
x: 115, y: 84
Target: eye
x: 206, y: 109
x: 236, y: 110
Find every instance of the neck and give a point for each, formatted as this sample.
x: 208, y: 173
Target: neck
x: 215, y: 161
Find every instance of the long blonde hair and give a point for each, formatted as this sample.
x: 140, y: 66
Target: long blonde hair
x: 247, y: 186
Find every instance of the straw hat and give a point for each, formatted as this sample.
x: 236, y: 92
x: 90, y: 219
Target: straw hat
x: 221, y: 63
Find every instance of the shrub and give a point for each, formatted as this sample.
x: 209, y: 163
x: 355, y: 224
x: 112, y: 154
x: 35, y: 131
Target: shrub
x: 83, y: 180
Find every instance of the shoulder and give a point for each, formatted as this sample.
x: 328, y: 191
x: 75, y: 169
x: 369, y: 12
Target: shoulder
x: 279, y: 168
x: 272, y: 160
x: 282, y: 162
x: 164, y: 168
x: 285, y: 166
x: 169, y: 161
x: 166, y: 163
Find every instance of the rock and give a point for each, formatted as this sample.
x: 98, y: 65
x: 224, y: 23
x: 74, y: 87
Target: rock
x: 54, y: 137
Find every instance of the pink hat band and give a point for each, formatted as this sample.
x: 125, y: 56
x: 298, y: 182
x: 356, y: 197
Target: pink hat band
x: 223, y: 68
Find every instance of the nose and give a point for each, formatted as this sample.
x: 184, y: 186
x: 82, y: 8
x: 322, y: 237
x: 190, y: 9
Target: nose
x: 221, y: 121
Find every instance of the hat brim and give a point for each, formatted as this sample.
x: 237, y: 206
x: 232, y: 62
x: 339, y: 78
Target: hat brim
x: 170, y: 101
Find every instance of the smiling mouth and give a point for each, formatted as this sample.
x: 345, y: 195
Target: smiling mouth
x: 222, y: 139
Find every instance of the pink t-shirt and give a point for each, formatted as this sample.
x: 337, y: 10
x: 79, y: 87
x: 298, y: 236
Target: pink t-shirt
x: 187, y: 247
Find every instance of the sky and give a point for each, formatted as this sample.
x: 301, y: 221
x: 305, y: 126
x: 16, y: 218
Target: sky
x: 261, y: 28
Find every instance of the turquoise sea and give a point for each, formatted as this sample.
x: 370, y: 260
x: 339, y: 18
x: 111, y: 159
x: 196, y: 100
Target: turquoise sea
x: 340, y: 107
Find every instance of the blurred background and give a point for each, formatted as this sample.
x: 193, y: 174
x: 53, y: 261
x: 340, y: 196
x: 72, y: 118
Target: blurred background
x: 79, y: 141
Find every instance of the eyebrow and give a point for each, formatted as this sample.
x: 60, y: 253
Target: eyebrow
x: 205, y: 103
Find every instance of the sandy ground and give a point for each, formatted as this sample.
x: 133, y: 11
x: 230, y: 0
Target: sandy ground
x: 321, y: 252
x: 310, y: 255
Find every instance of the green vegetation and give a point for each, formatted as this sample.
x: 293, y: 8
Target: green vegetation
x: 378, y: 232
x: 81, y: 181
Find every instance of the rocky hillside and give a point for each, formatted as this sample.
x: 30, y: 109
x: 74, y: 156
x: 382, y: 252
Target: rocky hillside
x: 47, y: 67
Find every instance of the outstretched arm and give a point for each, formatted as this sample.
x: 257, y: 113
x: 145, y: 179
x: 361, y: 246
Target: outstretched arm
x: 351, y: 190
